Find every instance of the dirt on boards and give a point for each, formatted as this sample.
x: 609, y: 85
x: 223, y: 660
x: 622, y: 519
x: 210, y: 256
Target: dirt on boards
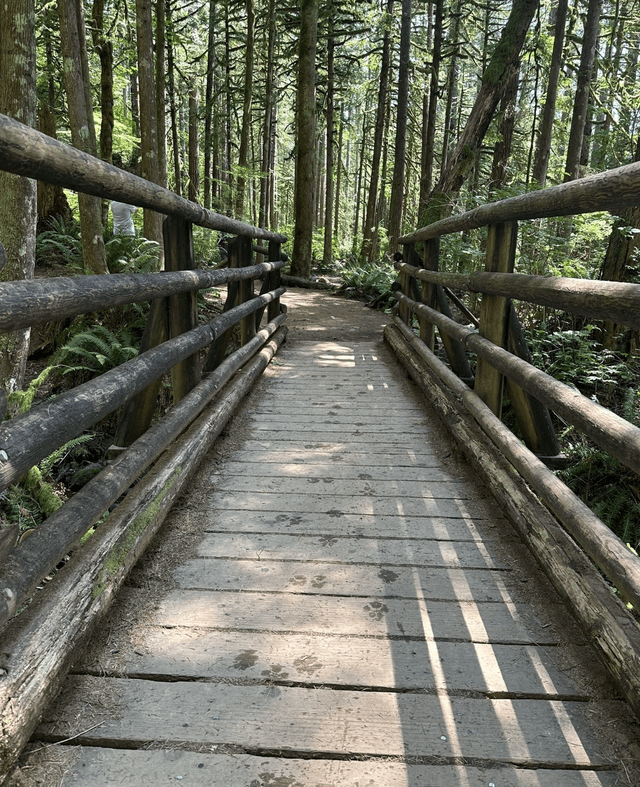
x: 336, y: 602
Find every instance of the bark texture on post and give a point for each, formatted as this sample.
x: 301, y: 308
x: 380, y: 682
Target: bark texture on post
x: 305, y: 140
x: 17, y: 194
x: 83, y: 134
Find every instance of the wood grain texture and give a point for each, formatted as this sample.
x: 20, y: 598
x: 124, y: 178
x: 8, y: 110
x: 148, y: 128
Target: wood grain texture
x: 163, y: 768
x: 333, y: 722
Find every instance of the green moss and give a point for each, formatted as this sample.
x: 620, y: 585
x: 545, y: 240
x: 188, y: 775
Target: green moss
x: 42, y: 492
x: 123, y: 547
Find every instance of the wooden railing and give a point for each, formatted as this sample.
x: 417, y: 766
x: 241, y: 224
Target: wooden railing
x: 503, y: 359
x: 160, y: 457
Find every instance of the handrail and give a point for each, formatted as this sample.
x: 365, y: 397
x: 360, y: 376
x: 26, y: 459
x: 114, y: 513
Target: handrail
x: 472, y: 406
x: 599, y: 300
x: 25, y: 151
x: 35, y: 301
x: 612, y: 190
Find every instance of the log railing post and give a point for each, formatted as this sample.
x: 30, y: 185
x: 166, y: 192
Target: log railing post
x: 274, y: 278
x: 494, y: 312
x: 183, y: 307
x: 405, y: 285
x: 244, y: 258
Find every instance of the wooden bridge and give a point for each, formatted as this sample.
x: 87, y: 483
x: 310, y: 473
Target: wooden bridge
x: 358, y: 588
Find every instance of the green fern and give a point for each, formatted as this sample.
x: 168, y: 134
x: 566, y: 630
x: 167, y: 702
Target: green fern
x: 131, y: 254
x: 21, y: 401
x: 96, y: 350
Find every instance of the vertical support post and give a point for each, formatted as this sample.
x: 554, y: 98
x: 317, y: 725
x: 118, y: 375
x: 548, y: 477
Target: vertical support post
x: 183, y: 307
x: 405, y: 284
x: 429, y: 291
x: 243, y: 248
x: 494, y: 312
x: 273, y: 309
x: 138, y: 412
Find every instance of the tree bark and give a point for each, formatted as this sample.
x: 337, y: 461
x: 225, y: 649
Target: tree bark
x: 429, y: 131
x: 305, y: 140
x: 543, y: 147
x: 83, y: 135
x: 246, y: 113
x: 148, y: 115
x: 17, y: 194
x: 581, y: 103
x: 504, y: 61
x: 267, y: 126
x: 397, y: 183
x: 161, y: 108
x: 328, y: 211
x: 208, y: 105
x: 193, y: 192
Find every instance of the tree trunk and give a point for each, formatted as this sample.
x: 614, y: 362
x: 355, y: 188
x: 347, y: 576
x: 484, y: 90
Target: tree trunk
x: 502, y: 149
x: 305, y: 140
x: 426, y: 174
x: 397, y: 183
x: 504, y: 61
x: 52, y: 201
x: 173, y: 110
x: 193, y: 191
x: 327, y: 254
x: 336, y: 210
x: 246, y: 113
x: 17, y: 195
x: 543, y: 148
x: 148, y: 116
x: 208, y: 105
x: 83, y: 135
x: 266, y: 176
x: 370, y: 217
x: 160, y: 91
x: 581, y: 103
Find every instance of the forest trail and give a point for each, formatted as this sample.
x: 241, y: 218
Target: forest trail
x: 336, y: 602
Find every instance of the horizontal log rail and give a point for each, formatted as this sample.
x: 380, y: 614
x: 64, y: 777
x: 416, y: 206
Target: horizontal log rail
x: 129, y: 498
x: 611, y: 432
x: 598, y: 300
x: 503, y: 364
x: 612, y: 191
x: 38, y: 555
x: 36, y: 301
x: 25, y: 151
x: 29, y: 438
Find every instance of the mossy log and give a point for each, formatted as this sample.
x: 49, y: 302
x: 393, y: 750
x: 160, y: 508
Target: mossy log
x: 39, y: 555
x: 41, y: 641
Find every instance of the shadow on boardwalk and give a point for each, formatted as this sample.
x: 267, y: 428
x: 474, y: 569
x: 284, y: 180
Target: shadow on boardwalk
x: 345, y: 608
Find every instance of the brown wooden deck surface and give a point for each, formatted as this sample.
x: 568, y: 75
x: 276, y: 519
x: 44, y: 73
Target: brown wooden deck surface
x: 349, y: 618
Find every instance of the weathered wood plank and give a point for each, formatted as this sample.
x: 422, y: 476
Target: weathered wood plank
x: 349, y: 525
x: 348, y: 505
x: 459, y: 621
x: 325, y: 485
x: 317, y: 470
x: 341, y: 722
x: 337, y: 661
x: 99, y: 767
x: 340, y: 579
x: 370, y: 551
x: 298, y: 451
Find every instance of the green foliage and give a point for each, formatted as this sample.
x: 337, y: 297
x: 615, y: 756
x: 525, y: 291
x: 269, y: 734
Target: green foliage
x: 21, y: 401
x: 131, y: 254
x: 61, y: 244
x: 96, y: 350
x: 368, y: 281
x: 573, y: 356
x: 606, y: 485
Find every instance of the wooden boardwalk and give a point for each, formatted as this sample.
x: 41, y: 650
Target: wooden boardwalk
x: 348, y: 619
